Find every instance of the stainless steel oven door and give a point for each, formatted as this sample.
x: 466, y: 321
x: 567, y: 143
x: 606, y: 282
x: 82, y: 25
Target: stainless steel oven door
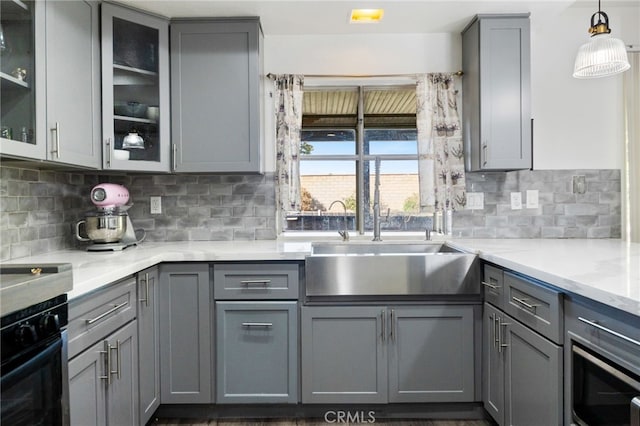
x: 603, y: 393
x: 35, y: 385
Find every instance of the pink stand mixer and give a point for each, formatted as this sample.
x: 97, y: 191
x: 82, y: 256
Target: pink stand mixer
x: 109, y: 227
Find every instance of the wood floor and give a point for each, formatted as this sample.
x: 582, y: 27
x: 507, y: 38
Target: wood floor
x: 312, y: 422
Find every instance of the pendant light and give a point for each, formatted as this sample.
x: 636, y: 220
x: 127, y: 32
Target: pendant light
x: 602, y: 56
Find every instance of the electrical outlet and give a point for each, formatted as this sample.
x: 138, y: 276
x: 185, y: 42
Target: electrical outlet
x: 516, y: 201
x: 579, y: 184
x: 475, y: 200
x: 156, y: 205
x: 532, y: 198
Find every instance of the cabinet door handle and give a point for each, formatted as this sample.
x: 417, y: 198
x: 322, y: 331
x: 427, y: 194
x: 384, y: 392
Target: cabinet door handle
x: 485, y: 148
x: 257, y: 324
x: 250, y: 282
x: 383, y: 318
x: 108, y: 144
x: 109, y: 312
x: 524, y: 303
x: 500, y: 326
x: 118, y: 355
x: 491, y: 286
x: 175, y: 157
x: 493, y: 336
x: 608, y: 330
x: 146, y: 294
x: 56, y: 146
x: 107, y: 368
x: 392, y: 325
x: 635, y: 411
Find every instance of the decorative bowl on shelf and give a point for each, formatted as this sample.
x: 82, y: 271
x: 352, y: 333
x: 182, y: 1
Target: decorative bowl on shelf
x: 130, y: 109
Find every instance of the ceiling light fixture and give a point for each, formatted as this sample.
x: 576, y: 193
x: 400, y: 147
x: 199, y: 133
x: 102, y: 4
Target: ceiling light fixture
x: 602, y: 56
x: 366, y: 16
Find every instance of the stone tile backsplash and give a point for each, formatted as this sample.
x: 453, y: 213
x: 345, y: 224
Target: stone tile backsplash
x: 560, y: 214
x: 39, y: 208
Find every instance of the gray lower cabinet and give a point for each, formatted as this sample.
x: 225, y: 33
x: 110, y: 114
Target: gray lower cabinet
x: 496, y: 98
x: 148, y: 343
x: 379, y: 354
x: 73, y: 83
x: 103, y: 381
x: 522, y: 373
x: 421, y: 341
x: 186, y: 374
x: 216, y: 95
x: 257, y: 352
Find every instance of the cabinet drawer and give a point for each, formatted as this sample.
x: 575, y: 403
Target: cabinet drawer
x: 98, y: 315
x: 493, y: 285
x: 613, y: 333
x: 255, y: 281
x: 538, y: 307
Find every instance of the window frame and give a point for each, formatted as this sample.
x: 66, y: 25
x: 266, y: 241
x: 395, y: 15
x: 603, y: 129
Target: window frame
x: 360, y: 158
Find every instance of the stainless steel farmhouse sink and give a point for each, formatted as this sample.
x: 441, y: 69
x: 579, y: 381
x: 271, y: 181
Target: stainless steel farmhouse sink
x: 390, y: 269
x: 376, y: 248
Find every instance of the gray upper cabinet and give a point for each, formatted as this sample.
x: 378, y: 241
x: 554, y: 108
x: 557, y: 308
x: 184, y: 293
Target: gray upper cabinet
x: 148, y: 343
x: 257, y: 352
x: 135, y: 90
x: 24, y: 32
x: 388, y: 354
x: 216, y: 95
x: 496, y: 88
x: 73, y: 83
x: 185, y: 334
x: 53, y: 112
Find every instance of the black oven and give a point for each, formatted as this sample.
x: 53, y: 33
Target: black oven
x: 33, y: 371
x: 603, y: 393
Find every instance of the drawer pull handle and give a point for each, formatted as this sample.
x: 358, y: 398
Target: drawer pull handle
x: 257, y: 324
x: 524, y: 303
x: 491, y: 286
x: 608, y: 330
x: 109, y: 312
x: 250, y: 282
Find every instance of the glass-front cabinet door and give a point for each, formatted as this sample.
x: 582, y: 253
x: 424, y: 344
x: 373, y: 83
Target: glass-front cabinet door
x: 20, y: 73
x: 135, y: 91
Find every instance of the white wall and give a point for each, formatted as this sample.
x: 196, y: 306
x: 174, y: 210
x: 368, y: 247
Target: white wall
x: 578, y: 123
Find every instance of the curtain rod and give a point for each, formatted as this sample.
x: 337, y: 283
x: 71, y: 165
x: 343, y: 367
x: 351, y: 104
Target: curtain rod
x: 271, y: 75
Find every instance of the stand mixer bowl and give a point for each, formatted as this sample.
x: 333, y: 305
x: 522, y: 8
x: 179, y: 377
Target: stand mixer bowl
x: 102, y: 227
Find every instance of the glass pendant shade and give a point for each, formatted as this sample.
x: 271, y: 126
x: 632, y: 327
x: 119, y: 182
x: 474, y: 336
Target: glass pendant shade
x: 602, y: 56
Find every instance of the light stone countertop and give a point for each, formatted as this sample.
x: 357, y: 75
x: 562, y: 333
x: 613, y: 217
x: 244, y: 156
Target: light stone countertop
x: 605, y: 270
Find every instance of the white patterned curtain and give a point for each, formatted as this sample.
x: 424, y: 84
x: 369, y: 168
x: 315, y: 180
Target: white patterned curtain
x: 288, y: 109
x: 440, y: 154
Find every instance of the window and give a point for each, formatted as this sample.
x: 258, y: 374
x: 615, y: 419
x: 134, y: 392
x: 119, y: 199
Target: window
x: 344, y: 130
